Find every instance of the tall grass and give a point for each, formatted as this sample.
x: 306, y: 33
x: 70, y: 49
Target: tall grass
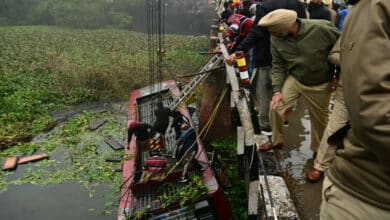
x: 42, y: 67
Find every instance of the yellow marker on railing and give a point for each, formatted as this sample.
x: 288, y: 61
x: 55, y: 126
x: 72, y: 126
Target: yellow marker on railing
x: 221, y: 27
x: 241, y: 64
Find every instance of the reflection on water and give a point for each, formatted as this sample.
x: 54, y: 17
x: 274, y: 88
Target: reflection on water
x: 296, y: 159
x: 59, y: 201
x: 299, y: 148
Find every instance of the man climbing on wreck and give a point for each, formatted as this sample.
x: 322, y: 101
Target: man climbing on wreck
x: 178, y: 120
x: 186, y: 142
x: 162, y: 114
x: 160, y: 125
x: 143, y: 133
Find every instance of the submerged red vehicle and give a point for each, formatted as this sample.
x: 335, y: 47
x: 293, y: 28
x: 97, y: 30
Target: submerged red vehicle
x: 142, y: 200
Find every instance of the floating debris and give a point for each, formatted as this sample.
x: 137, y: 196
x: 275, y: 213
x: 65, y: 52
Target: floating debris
x: 32, y: 158
x: 116, y: 159
x: 97, y: 123
x: 114, y: 144
x: 10, y: 163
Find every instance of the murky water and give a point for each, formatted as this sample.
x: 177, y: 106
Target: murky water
x: 69, y: 200
x: 58, y: 201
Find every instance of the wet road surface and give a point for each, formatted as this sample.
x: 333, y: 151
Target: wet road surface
x: 295, y: 159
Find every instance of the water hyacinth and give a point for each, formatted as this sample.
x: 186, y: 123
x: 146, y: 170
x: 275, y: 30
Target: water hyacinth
x: 42, y: 68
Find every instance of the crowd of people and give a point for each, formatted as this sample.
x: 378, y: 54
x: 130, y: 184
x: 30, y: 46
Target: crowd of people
x: 313, y: 50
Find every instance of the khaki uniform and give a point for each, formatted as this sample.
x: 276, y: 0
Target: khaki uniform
x: 361, y: 169
x: 300, y: 69
x: 337, y: 119
x: 337, y: 204
x: 316, y: 98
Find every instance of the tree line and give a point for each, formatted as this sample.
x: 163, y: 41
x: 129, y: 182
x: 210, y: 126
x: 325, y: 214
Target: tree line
x: 186, y: 17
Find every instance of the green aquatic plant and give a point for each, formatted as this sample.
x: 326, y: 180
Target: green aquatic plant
x: 187, y: 193
x: 82, y: 161
x: 236, y: 194
x: 182, y: 194
x: 45, y: 68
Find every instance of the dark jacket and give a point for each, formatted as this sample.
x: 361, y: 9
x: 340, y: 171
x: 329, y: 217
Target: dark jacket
x: 162, y: 119
x: 305, y: 58
x: 143, y: 132
x: 245, y: 12
x: 319, y: 12
x: 271, y: 5
x: 259, y: 38
x: 362, y: 168
x: 177, y: 122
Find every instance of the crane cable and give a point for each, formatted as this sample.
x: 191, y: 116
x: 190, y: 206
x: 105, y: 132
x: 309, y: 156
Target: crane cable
x: 155, y: 23
x: 149, y: 27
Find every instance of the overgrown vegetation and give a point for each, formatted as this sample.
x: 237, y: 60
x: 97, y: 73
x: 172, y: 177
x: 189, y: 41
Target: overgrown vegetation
x: 236, y: 194
x: 42, y: 68
x: 47, y: 67
x: 188, y: 193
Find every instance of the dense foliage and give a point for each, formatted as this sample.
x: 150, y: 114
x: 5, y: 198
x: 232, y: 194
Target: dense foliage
x: 43, y: 67
x: 235, y: 194
x: 191, y: 17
